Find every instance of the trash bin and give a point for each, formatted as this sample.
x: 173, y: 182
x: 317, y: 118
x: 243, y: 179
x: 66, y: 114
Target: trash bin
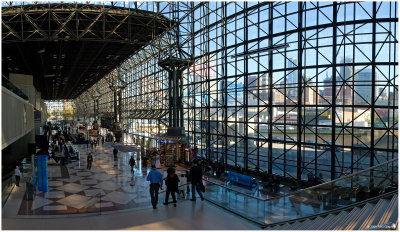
x: 29, y: 191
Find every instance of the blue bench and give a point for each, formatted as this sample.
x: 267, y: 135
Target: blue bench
x: 247, y: 181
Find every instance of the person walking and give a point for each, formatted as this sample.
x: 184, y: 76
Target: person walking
x: 17, y: 174
x: 89, y: 161
x: 172, y: 185
x: 196, y: 174
x: 60, y: 144
x: 132, y: 163
x: 156, y: 181
x: 115, y: 152
x: 66, y: 155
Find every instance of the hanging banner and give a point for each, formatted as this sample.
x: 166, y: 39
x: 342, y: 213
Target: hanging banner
x: 42, y: 173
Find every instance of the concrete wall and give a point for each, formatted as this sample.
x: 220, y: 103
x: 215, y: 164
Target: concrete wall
x: 38, y: 101
x: 25, y: 83
x: 43, y: 108
x: 17, y: 118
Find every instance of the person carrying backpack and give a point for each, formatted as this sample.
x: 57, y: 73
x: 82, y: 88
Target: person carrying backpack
x: 196, y: 174
x: 172, y: 185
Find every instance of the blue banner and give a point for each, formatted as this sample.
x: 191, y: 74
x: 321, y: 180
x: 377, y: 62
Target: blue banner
x: 242, y: 179
x: 42, y: 173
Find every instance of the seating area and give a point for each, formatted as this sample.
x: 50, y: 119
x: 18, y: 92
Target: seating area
x: 74, y: 153
x: 241, y: 179
x: 80, y: 139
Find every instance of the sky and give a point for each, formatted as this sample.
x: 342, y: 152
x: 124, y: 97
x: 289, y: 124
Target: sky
x: 346, y: 12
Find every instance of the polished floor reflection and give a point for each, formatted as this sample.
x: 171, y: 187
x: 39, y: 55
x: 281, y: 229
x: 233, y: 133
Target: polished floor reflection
x: 269, y: 208
x: 108, y: 186
x: 107, y: 197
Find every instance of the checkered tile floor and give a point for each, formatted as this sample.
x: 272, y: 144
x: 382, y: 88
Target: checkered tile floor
x: 107, y: 186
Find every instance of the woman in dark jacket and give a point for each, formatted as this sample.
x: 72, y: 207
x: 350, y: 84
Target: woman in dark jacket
x: 172, y: 185
x: 115, y: 152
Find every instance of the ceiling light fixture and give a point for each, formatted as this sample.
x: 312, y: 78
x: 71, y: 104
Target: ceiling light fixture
x: 41, y: 51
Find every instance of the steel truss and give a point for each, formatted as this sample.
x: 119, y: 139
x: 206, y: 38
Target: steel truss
x: 326, y: 104
x: 68, y: 47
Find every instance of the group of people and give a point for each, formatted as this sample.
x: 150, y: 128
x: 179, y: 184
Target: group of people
x: 93, y: 142
x: 156, y: 182
x: 59, y: 145
x: 216, y: 168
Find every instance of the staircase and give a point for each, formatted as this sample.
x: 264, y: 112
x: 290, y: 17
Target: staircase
x: 361, y: 217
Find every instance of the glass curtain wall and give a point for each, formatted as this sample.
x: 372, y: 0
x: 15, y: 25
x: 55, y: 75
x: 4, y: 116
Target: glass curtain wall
x: 290, y: 88
x: 60, y: 111
x: 325, y: 102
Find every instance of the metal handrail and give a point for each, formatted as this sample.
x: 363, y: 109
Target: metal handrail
x: 337, y: 180
x: 263, y: 224
x: 5, y: 179
x: 261, y: 199
x: 310, y: 188
x: 11, y: 87
x: 385, y: 195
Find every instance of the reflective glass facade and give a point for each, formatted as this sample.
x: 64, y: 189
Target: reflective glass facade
x: 287, y: 87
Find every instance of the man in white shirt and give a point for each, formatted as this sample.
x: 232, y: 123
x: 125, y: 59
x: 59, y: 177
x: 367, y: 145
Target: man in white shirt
x: 17, y: 174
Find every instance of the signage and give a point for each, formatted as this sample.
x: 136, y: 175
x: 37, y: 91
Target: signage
x: 42, y: 173
x: 37, y: 115
x: 169, y: 160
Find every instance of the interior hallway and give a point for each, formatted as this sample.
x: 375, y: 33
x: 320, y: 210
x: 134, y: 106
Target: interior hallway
x: 71, y: 203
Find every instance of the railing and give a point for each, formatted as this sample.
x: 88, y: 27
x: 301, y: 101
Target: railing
x: 8, y: 85
x: 8, y: 183
x: 321, y: 198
